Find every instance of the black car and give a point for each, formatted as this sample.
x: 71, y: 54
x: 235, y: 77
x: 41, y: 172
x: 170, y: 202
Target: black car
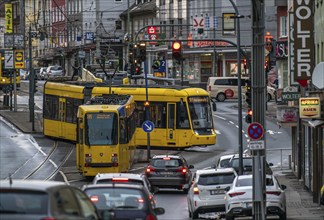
x: 169, y: 171
x: 36, y: 199
x: 120, y: 201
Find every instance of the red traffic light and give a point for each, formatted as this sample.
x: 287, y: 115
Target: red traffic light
x: 249, y: 112
x: 176, y: 45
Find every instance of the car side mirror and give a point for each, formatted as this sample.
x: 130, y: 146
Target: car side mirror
x: 270, y: 164
x: 154, y: 189
x: 213, y: 166
x: 227, y: 188
x: 283, y: 187
x: 159, y: 211
x: 191, y: 166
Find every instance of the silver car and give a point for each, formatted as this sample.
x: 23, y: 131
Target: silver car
x: 36, y: 199
x: 239, y: 202
x: 54, y: 71
x: 207, y: 191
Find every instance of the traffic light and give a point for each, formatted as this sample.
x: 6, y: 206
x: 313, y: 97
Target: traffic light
x: 245, y: 64
x: 142, y: 51
x: 35, y: 84
x: 248, y: 95
x: 136, y: 54
x: 177, y: 50
x: 138, y: 70
x: 132, y: 69
x: 130, y: 53
x: 248, y: 117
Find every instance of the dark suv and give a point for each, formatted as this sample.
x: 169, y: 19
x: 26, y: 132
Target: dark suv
x: 169, y: 171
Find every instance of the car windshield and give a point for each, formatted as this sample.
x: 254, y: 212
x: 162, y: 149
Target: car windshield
x: 116, y: 198
x: 57, y: 68
x: 166, y: 162
x: 247, y: 163
x: 224, y: 163
x: 216, y: 179
x: 19, y: 202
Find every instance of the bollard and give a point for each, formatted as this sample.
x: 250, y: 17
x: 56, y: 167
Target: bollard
x: 289, y: 161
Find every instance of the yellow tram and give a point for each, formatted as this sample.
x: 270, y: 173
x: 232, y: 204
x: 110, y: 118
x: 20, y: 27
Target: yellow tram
x: 105, y: 135
x: 182, y: 117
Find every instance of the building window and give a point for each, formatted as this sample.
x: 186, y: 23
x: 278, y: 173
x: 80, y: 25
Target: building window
x: 228, y: 24
x: 283, y: 26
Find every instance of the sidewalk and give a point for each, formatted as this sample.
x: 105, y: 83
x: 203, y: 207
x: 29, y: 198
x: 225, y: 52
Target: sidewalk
x: 300, y: 204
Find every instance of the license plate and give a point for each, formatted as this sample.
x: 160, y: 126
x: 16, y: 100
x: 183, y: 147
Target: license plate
x: 216, y: 191
x: 166, y: 173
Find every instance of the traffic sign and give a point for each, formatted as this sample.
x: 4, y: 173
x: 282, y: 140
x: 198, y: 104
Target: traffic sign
x: 148, y: 126
x: 256, y: 145
x: 9, y: 59
x: 255, y: 131
x: 151, y: 30
x: 19, y: 59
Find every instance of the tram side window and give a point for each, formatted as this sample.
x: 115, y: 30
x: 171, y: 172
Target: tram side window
x: 131, y: 125
x: 72, y: 106
x: 182, y: 116
x: 51, y: 105
x: 157, y: 114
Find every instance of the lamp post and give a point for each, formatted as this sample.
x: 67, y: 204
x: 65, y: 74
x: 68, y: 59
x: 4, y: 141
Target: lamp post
x: 239, y: 89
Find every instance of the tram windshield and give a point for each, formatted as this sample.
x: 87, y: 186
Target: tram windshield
x: 200, y: 112
x: 101, y: 129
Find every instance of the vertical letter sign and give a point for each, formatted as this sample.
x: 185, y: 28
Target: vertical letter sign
x: 303, y: 41
x: 8, y: 14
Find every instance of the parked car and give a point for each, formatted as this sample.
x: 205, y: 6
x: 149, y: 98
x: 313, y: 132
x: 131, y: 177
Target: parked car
x: 239, y: 202
x: 36, y: 199
x: 122, y: 201
x: 222, y: 88
x: 169, y: 171
x: 52, y: 71
x: 207, y: 191
x: 127, y: 178
x: 232, y: 160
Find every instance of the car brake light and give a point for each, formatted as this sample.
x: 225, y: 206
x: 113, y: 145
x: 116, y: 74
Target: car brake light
x: 196, y: 190
x: 141, y: 200
x: 182, y: 170
x: 236, y: 194
x: 150, y: 217
x: 119, y: 179
x: 209, y: 88
x: 94, y: 198
x: 166, y: 158
x: 150, y: 169
x: 276, y: 193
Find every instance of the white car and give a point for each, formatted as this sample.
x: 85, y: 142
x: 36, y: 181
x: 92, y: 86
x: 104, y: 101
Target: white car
x: 239, y: 200
x: 207, y: 191
x: 127, y: 178
x: 54, y: 71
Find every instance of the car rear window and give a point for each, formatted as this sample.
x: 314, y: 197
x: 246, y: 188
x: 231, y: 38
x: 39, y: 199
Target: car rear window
x: 13, y: 201
x: 247, y: 163
x: 114, y: 197
x: 164, y: 162
x: 216, y: 179
x: 129, y: 181
x: 244, y: 182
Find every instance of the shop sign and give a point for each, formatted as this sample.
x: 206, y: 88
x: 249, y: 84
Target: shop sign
x: 287, y: 114
x: 310, y: 107
x: 211, y: 43
x: 281, y: 49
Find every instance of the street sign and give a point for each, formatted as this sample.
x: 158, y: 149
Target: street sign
x: 148, y: 126
x: 19, y: 59
x: 89, y: 35
x: 198, y: 22
x: 9, y: 59
x: 255, y: 131
x: 256, y: 145
x: 151, y: 30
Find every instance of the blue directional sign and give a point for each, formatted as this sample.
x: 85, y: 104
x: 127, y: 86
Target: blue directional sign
x: 162, y: 67
x: 148, y: 126
x: 89, y: 35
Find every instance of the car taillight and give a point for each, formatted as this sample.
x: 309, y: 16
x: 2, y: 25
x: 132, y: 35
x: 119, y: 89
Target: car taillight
x: 88, y: 159
x: 183, y: 170
x: 209, y: 88
x: 196, y: 190
x: 114, y: 160
x: 94, y: 198
x: 236, y: 194
x: 150, y: 217
x: 276, y: 193
x: 149, y: 169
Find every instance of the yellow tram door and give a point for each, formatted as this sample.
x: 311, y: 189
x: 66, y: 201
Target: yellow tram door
x: 62, y: 116
x: 171, y: 124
